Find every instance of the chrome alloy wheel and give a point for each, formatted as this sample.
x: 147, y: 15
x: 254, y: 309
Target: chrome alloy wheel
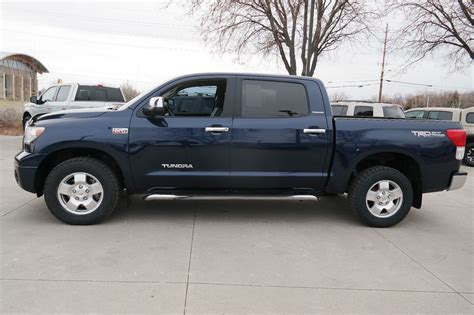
x: 384, y: 198
x: 80, y: 193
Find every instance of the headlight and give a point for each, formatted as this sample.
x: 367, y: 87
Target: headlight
x: 31, y: 133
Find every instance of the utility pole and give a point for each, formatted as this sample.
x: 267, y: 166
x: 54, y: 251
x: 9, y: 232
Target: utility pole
x: 310, y: 36
x: 383, y: 63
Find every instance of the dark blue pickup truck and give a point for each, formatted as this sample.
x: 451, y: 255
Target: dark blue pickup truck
x: 231, y: 136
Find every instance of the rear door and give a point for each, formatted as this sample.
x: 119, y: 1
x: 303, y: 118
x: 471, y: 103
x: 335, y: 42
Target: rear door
x: 278, y: 135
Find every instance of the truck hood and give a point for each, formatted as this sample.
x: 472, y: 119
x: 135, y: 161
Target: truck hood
x: 74, y: 114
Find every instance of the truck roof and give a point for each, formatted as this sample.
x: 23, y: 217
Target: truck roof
x: 259, y: 75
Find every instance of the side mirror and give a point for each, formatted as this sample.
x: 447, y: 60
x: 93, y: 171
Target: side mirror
x: 156, y: 107
x: 34, y: 99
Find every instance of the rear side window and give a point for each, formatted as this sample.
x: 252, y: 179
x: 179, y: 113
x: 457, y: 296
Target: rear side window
x: 273, y: 99
x: 417, y: 114
x: 98, y: 93
x: 440, y: 115
x: 393, y: 112
x: 366, y: 111
x: 63, y: 93
x: 470, y: 118
x: 339, y: 110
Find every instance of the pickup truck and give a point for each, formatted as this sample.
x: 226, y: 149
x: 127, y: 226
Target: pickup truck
x: 236, y: 136
x: 464, y: 116
x: 72, y: 96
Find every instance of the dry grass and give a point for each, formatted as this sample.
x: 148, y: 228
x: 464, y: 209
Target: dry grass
x: 10, y: 122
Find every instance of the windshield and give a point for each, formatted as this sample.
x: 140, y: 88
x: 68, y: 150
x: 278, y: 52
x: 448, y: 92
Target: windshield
x: 136, y: 98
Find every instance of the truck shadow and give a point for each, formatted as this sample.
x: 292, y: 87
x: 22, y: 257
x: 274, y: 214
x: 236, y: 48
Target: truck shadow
x: 328, y: 209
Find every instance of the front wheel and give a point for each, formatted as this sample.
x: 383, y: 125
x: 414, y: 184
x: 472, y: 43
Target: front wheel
x: 81, y: 191
x: 381, y: 196
x: 469, y: 155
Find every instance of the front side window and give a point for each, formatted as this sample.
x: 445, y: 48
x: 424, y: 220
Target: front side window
x: 440, y: 115
x: 200, y: 99
x: 48, y: 96
x: 364, y: 111
x: 416, y: 114
x: 339, y: 110
x: 63, y: 93
x: 273, y: 99
x: 470, y: 118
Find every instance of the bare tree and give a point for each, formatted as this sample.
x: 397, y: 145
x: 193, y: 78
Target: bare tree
x: 430, y: 25
x: 282, y: 26
x: 129, y: 91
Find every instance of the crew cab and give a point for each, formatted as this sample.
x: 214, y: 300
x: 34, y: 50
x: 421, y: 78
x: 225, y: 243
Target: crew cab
x: 72, y: 96
x: 233, y: 136
x: 464, y: 116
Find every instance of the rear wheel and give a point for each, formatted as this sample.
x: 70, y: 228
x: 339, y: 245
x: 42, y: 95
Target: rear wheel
x: 469, y: 155
x: 381, y: 196
x: 81, y: 191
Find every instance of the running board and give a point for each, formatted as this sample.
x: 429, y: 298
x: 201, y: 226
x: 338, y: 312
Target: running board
x: 230, y: 197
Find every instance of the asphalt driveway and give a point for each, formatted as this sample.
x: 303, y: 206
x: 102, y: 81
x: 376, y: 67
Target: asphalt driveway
x: 234, y: 257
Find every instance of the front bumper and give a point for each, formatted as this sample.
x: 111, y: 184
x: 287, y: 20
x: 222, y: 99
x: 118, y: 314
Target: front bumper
x: 457, y: 180
x: 26, y: 165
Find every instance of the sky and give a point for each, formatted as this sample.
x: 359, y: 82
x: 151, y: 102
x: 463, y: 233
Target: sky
x: 147, y: 42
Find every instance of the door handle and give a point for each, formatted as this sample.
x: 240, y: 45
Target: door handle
x: 217, y: 129
x: 314, y: 131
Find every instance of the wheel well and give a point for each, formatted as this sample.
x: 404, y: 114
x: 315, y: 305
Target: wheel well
x: 26, y: 114
x: 405, y: 164
x: 60, y: 156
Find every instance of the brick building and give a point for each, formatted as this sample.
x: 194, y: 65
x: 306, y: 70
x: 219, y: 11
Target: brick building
x: 18, y: 76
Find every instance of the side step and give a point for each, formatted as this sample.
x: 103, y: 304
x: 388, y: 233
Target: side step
x: 230, y: 197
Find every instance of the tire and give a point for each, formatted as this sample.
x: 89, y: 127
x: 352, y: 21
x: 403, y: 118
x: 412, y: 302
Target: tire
x: 91, y: 191
x: 469, y: 155
x: 25, y: 120
x: 386, y: 210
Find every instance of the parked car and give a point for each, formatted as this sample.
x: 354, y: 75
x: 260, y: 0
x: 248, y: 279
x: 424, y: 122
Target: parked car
x: 367, y: 109
x: 72, y: 96
x: 263, y: 136
x: 464, y: 116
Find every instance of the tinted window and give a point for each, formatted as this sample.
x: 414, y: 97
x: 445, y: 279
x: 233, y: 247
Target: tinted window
x: 367, y: 111
x: 339, y: 110
x: 273, y: 99
x: 417, y: 114
x: 440, y: 115
x: 470, y: 118
x: 63, y: 93
x: 99, y: 94
x: 49, y: 94
x: 201, y: 99
x: 393, y: 112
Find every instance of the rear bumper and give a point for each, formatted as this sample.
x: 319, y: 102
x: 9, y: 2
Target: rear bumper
x: 457, y: 180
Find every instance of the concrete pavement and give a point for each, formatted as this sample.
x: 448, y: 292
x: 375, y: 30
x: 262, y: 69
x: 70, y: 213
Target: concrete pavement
x: 234, y: 257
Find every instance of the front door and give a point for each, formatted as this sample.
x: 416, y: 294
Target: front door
x: 189, y: 147
x: 279, y: 138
